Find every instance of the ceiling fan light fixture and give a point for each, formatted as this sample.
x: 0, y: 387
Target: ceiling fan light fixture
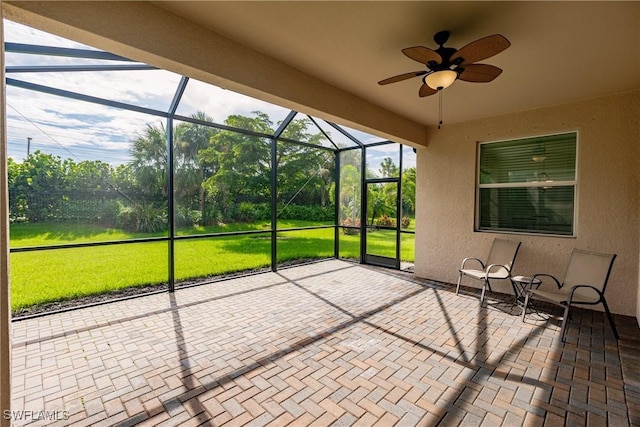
x: 441, y: 79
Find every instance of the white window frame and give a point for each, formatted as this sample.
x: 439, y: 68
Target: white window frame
x: 573, y: 183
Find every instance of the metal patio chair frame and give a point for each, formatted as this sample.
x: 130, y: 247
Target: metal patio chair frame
x: 498, y: 265
x: 584, y: 283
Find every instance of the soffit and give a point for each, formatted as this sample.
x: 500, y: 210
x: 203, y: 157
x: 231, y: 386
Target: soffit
x: 561, y: 51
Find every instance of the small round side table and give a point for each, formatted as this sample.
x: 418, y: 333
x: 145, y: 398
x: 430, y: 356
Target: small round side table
x: 521, y: 284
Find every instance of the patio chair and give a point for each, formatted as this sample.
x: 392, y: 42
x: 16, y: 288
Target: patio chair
x: 497, y: 266
x: 584, y: 283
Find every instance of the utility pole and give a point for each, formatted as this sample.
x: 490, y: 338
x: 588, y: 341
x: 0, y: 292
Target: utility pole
x: 28, y: 146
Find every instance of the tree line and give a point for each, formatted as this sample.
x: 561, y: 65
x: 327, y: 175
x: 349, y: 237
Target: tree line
x: 220, y: 175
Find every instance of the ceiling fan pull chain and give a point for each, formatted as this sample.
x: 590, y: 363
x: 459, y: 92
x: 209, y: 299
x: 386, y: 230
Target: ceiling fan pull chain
x: 440, y: 109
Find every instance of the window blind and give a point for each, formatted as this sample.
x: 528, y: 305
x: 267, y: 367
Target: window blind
x: 529, y: 160
x: 528, y: 185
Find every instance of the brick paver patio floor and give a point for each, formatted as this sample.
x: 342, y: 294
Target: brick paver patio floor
x: 330, y: 343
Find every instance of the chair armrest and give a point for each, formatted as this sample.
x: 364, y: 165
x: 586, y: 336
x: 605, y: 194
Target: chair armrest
x: 464, y: 261
x: 576, y: 287
x: 537, y: 276
x: 493, y: 266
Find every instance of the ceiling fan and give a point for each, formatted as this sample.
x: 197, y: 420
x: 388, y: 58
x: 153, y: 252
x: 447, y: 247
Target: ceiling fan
x: 446, y: 64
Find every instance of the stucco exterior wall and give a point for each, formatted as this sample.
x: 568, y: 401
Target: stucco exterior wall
x: 608, y: 194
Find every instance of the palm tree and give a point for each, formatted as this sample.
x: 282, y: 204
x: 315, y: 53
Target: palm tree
x: 190, y: 170
x: 149, y: 151
x: 350, y: 193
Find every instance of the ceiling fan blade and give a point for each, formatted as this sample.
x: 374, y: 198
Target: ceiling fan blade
x: 480, y: 49
x: 479, y: 73
x: 422, y: 54
x: 401, y: 77
x: 426, y: 91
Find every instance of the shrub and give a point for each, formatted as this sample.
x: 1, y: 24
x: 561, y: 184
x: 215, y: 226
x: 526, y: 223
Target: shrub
x: 246, y: 212
x: 142, y: 218
x: 262, y: 211
x: 109, y: 214
x: 212, y: 215
x: 406, y: 222
x: 348, y: 222
x: 185, y: 217
x: 385, y: 221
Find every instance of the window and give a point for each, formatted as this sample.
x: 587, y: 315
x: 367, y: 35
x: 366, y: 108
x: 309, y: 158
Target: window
x: 528, y: 185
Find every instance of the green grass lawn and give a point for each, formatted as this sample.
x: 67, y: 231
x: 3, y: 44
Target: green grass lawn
x: 57, y: 274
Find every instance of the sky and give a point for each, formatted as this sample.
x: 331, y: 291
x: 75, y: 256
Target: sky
x: 86, y: 131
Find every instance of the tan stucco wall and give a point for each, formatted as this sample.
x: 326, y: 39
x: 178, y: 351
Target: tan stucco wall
x: 608, y: 194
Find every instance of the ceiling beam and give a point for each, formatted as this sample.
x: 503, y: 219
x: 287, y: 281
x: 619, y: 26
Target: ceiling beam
x: 147, y: 33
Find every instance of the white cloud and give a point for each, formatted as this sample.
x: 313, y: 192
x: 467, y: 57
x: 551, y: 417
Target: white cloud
x: 220, y: 103
x: 70, y: 128
x: 83, y: 130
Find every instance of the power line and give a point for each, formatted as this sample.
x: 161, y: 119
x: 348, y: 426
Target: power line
x: 43, y: 131
x: 89, y: 150
x: 109, y: 184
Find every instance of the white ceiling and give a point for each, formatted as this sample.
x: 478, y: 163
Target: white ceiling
x: 560, y: 51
